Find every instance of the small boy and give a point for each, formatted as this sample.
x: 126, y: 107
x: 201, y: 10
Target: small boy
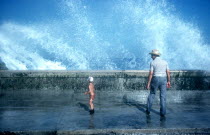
x: 90, y: 91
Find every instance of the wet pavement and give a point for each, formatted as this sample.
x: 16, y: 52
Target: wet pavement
x: 31, y: 111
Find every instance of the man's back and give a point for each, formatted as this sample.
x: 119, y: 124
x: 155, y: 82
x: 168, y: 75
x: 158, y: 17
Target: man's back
x: 159, y: 67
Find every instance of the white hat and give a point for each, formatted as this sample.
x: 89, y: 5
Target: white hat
x: 90, y: 79
x: 155, y: 52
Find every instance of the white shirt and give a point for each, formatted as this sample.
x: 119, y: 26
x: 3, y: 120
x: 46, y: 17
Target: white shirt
x: 159, y: 67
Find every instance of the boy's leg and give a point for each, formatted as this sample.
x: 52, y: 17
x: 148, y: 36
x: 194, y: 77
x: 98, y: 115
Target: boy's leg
x: 91, y: 104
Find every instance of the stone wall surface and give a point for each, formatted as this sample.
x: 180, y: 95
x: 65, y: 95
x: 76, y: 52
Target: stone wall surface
x: 104, y: 80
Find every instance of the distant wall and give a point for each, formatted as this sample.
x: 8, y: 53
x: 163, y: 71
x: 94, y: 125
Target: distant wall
x: 104, y: 80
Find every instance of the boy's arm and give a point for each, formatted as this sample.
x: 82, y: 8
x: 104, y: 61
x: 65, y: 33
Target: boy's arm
x: 87, y: 92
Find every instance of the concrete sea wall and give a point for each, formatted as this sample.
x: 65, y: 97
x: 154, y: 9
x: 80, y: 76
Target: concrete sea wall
x: 104, y: 80
x: 111, y: 86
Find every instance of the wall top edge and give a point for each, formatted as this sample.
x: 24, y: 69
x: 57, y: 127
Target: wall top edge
x: 97, y: 73
x: 207, y: 71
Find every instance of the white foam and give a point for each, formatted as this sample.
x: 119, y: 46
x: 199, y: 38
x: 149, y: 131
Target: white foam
x: 82, y: 39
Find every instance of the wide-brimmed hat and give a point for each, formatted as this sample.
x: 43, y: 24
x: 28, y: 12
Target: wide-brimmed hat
x: 155, y: 52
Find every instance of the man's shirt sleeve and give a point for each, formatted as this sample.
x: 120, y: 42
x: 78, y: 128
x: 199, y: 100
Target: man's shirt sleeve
x: 151, y: 67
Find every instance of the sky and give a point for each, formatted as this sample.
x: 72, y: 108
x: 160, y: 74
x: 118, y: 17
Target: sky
x: 194, y: 11
x: 26, y: 10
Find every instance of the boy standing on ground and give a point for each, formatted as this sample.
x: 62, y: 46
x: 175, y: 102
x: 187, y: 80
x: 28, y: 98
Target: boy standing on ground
x: 90, y: 91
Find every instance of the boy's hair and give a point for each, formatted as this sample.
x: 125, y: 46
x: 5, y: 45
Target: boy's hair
x: 90, y: 79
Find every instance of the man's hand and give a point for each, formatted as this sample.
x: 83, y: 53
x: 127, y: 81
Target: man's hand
x: 168, y: 85
x: 148, y: 86
x: 86, y: 93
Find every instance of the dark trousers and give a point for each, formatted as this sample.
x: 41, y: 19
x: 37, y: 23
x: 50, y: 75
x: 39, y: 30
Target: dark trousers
x: 157, y: 83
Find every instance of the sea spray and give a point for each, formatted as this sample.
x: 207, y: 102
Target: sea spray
x: 104, y: 35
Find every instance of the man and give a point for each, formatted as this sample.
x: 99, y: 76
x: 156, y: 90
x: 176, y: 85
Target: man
x: 91, y: 93
x: 157, y: 79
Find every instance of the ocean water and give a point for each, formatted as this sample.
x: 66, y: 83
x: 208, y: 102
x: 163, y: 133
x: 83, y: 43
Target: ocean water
x: 103, y: 35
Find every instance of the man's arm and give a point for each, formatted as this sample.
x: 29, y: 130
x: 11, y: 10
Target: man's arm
x: 149, y: 79
x: 168, y: 79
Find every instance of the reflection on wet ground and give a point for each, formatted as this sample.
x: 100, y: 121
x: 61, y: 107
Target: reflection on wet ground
x: 21, y: 112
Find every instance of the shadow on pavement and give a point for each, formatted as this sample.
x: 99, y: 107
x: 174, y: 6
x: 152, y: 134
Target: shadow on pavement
x: 140, y: 107
x: 84, y: 106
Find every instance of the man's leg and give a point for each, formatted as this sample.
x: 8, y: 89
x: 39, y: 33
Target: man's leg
x: 163, y: 99
x: 150, y: 101
x: 151, y: 96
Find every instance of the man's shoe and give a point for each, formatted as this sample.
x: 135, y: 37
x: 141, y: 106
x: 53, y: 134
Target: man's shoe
x: 162, y: 115
x: 147, y: 112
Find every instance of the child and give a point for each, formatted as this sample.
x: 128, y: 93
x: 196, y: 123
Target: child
x: 90, y: 91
